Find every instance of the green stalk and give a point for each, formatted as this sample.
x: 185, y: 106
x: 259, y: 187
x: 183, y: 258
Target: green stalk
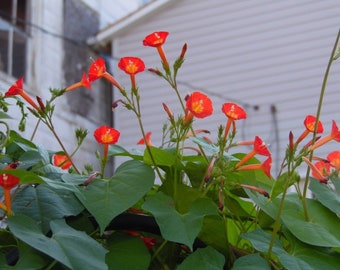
x: 322, y: 94
x: 278, y: 216
x: 137, y: 112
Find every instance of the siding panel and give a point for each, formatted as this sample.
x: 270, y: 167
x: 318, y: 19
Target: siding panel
x: 259, y: 53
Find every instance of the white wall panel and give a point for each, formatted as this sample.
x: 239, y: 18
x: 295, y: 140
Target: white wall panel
x: 260, y: 53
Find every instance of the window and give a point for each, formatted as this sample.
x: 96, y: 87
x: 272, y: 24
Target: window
x: 13, y: 37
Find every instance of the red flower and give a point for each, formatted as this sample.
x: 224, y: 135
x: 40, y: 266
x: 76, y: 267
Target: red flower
x: 106, y: 135
x: 149, y: 242
x: 309, y: 123
x: 260, y: 148
x: 147, y: 139
x: 323, y: 169
x: 233, y: 112
x: 157, y: 39
x: 84, y: 82
x: 265, y: 166
x: 257, y: 189
x: 98, y: 70
x: 18, y: 89
x: 131, y: 65
x: 61, y: 160
x: 7, y: 182
x: 198, y: 105
x: 334, y: 159
x: 334, y: 135
x: 320, y: 170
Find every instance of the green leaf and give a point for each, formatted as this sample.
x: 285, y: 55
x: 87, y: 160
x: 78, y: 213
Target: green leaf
x: 5, y: 116
x: 29, y: 259
x: 162, y: 157
x: 117, y: 150
x: 105, y: 199
x: 336, y: 183
x: 261, y: 241
x: 316, y: 257
x: 74, y: 179
x: 212, y: 148
x: 29, y: 159
x: 325, y: 195
x: 127, y: 253
x: 177, y: 227
x: 44, y: 203
x: 281, y: 182
x: 72, y: 248
x: 251, y: 262
x: 203, y: 259
x: 322, y: 229
x: 195, y: 172
x: 213, y: 233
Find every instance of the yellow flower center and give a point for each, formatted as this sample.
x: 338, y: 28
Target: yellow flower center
x: 197, y: 106
x: 107, y: 137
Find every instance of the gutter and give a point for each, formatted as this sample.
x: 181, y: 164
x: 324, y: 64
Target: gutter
x: 108, y: 33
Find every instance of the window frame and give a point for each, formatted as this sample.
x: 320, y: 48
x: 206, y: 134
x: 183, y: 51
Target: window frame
x: 13, y: 29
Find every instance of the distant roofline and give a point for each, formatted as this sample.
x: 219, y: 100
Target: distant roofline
x: 106, y: 34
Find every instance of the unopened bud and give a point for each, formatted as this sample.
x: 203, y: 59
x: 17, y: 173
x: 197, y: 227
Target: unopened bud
x: 168, y: 111
x: 184, y: 50
x: 156, y: 71
x: 41, y: 103
x: 291, y: 141
x: 90, y: 179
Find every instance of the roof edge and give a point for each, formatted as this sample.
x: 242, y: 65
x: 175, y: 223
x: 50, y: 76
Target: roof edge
x: 107, y: 34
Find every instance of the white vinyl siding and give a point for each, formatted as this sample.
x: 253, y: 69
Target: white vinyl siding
x: 258, y: 53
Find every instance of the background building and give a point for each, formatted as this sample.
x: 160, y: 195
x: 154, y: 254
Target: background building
x: 45, y: 42
x: 269, y: 56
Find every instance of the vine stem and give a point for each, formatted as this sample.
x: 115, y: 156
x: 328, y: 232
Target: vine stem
x: 278, y: 217
x: 318, y: 113
x: 137, y: 111
x: 35, y: 129
x: 63, y: 147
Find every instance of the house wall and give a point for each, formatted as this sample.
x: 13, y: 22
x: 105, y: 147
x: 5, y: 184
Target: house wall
x: 57, y: 56
x: 269, y: 56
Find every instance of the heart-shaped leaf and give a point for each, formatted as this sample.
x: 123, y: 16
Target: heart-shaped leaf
x: 202, y: 259
x: 126, y: 253
x: 45, y: 203
x: 325, y: 195
x: 322, y: 229
x: 72, y: 248
x: 105, y: 199
x: 251, y: 262
x: 261, y: 242
x: 177, y: 227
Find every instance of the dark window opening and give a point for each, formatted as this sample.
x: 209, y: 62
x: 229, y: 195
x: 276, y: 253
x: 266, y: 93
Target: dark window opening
x: 13, y: 37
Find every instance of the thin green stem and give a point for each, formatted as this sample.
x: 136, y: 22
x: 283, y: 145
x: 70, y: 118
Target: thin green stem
x: 35, y: 129
x: 318, y: 113
x: 137, y: 111
x: 225, y: 220
x: 63, y: 147
x: 52, y: 264
x: 277, y: 223
x: 158, y: 250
